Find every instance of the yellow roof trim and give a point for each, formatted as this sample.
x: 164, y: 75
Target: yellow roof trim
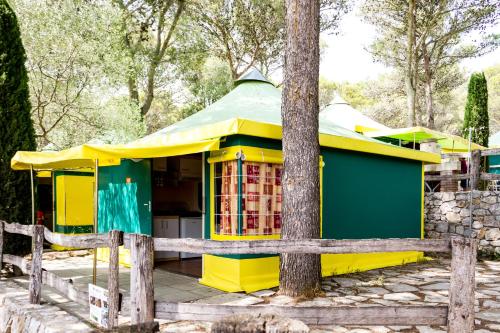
x: 85, y: 156
x: 248, y: 127
x: 204, y: 138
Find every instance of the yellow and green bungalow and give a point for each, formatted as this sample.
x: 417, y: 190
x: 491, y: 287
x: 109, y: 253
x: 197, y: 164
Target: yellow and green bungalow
x: 217, y: 175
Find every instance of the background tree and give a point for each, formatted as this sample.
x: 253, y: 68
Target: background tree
x: 75, y: 70
x: 250, y: 33
x: 147, y: 30
x: 492, y: 75
x: 301, y: 274
x: 439, y: 31
x: 16, y: 127
x: 476, y: 110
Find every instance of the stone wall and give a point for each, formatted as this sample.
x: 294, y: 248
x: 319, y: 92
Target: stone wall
x: 447, y: 213
x: 17, y: 315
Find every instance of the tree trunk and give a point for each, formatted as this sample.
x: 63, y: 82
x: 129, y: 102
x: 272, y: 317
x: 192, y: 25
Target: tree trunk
x: 133, y: 92
x: 429, y: 107
x: 301, y: 274
x: 410, y: 81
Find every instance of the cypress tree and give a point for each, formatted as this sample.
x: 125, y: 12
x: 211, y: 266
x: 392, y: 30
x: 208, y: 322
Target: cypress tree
x: 476, y: 110
x: 16, y: 128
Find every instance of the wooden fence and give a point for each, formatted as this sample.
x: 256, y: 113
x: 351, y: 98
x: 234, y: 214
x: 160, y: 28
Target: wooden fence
x: 458, y: 316
x: 475, y: 174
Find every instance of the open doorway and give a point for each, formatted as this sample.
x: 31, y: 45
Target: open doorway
x: 177, y: 209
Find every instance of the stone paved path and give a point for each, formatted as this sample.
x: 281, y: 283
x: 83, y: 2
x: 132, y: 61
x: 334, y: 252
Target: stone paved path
x: 423, y: 284
x: 418, y: 284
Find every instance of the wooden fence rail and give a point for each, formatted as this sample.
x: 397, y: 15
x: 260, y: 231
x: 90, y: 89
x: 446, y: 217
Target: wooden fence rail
x: 459, y: 315
x: 318, y: 246
x: 313, y: 315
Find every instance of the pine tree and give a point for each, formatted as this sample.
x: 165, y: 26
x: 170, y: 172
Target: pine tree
x: 16, y: 128
x: 476, y: 110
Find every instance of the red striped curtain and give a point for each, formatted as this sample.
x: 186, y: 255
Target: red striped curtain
x: 261, y: 198
x: 229, y: 198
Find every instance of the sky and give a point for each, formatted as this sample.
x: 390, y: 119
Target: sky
x: 345, y: 58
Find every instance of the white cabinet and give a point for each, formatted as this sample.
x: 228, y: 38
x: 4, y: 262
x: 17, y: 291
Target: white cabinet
x: 191, y: 227
x: 166, y: 227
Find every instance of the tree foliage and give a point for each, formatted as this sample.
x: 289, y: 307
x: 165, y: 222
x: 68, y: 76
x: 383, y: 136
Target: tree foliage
x: 147, y: 33
x: 492, y: 75
x: 476, y: 110
x: 250, y: 33
x: 440, y: 28
x: 16, y: 127
x: 75, y: 70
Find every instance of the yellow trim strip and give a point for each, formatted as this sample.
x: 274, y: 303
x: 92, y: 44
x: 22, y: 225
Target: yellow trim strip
x: 253, y: 128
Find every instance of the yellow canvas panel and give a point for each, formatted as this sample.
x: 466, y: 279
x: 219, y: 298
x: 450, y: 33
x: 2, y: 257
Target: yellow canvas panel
x: 56, y: 247
x: 79, y: 196
x: 335, y: 264
x: 124, y: 258
x: 249, y: 275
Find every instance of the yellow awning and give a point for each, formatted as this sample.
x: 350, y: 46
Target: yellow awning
x: 84, y: 156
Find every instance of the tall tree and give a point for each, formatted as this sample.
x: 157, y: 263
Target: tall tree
x: 442, y: 25
x: 16, y: 127
x: 73, y: 69
x: 411, y: 63
x: 476, y: 110
x: 433, y: 34
x: 301, y: 274
x: 250, y: 33
x: 148, y: 28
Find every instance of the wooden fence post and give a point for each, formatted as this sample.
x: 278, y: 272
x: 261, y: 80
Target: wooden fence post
x: 462, y: 285
x: 1, y: 244
x: 115, y: 240
x: 141, y: 280
x: 35, y: 286
x: 475, y: 169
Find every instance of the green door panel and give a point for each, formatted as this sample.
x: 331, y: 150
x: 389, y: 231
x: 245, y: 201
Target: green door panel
x: 370, y: 196
x: 125, y: 197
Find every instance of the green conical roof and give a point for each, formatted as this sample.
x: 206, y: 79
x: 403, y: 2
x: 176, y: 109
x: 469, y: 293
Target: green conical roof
x: 255, y: 99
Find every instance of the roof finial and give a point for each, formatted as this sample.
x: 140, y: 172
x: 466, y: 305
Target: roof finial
x: 252, y: 74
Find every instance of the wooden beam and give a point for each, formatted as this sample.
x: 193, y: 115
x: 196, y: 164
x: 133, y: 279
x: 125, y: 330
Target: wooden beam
x: 301, y: 246
x: 456, y: 176
x: 490, y: 152
x: 16, y: 228
x: 475, y: 169
x: 450, y: 155
x: 65, y: 287
x: 35, y: 286
x: 81, y: 241
x: 143, y: 328
x: 115, y: 240
x: 490, y: 176
x: 462, y: 285
x: 311, y: 315
x: 141, y: 280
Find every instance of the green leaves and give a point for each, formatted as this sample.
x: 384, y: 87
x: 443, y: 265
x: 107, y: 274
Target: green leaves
x: 16, y: 127
x: 476, y: 110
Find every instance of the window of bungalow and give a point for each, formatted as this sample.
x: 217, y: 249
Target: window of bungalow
x: 248, y: 198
